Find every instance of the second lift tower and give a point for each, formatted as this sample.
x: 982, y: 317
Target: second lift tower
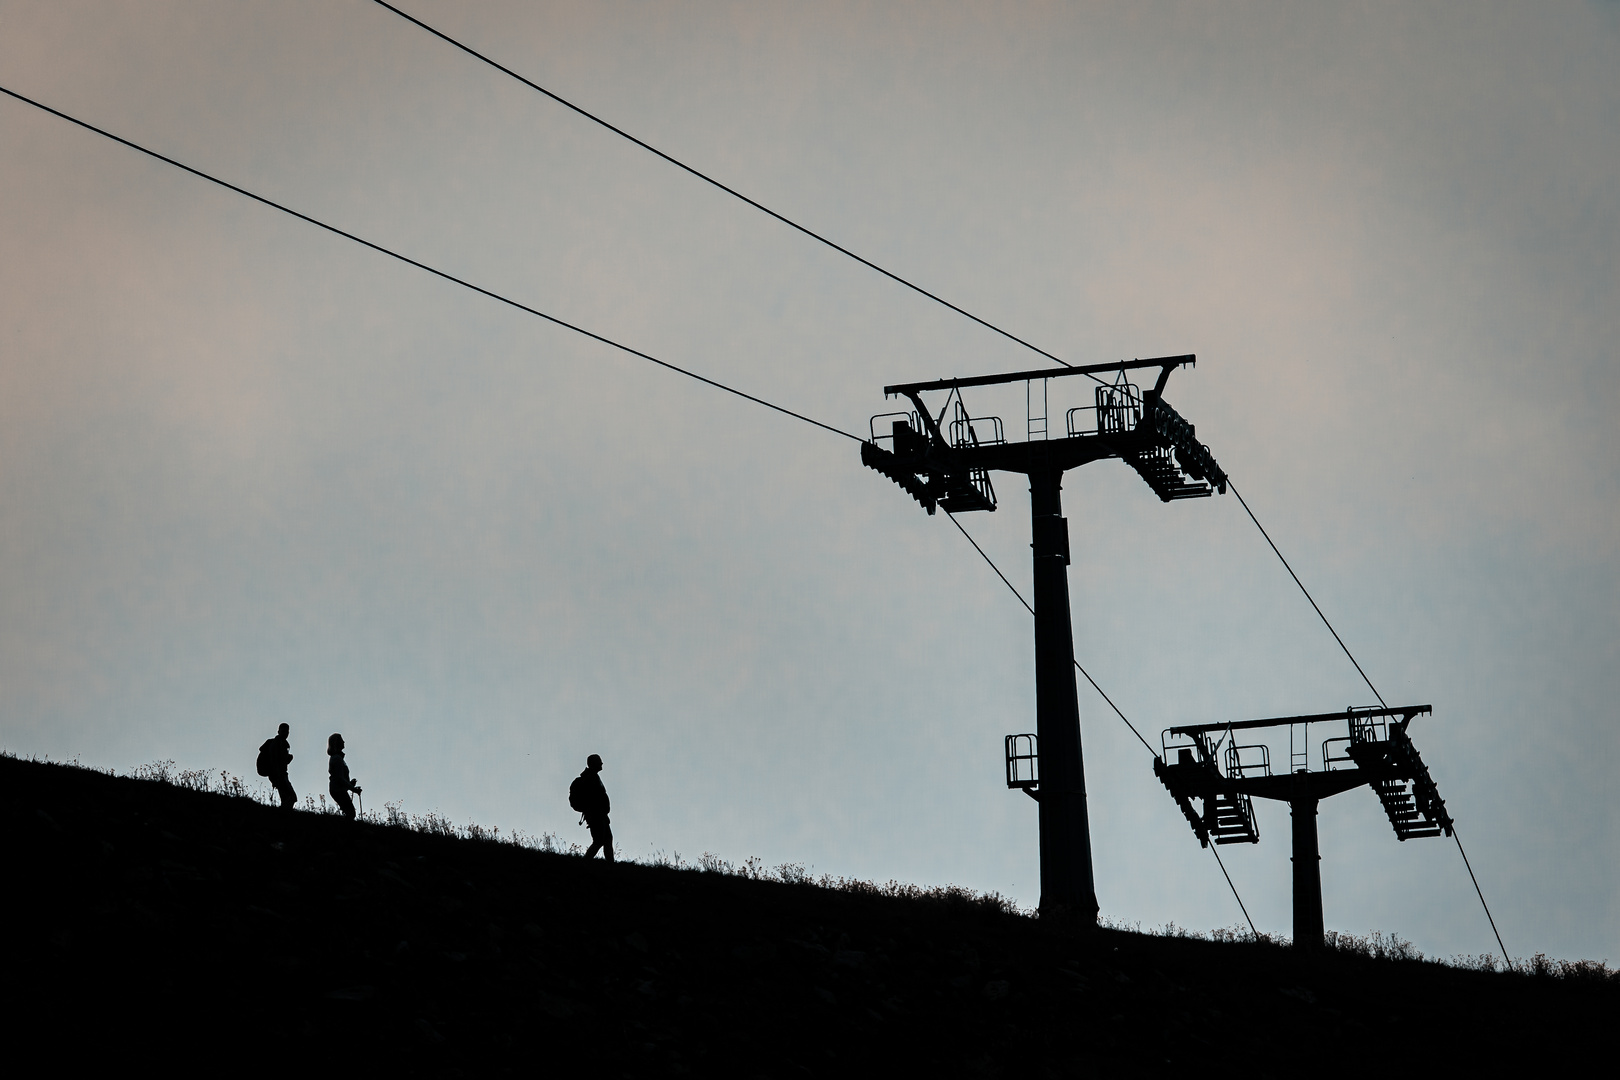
x: 949, y: 466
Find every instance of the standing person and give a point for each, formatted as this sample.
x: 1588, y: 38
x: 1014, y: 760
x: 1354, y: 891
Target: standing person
x: 274, y: 757
x: 341, y: 785
x: 587, y: 795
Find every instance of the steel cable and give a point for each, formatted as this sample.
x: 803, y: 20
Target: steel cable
x: 1014, y: 590
x: 706, y: 178
x: 432, y: 270
x: 1477, y: 890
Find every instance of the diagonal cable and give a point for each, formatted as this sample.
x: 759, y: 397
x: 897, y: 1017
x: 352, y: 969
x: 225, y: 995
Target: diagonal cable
x: 1481, y: 895
x: 1477, y: 890
x: 432, y: 270
x: 1031, y: 610
x: 706, y: 178
x: 1014, y: 590
x: 1307, y: 593
x: 1213, y: 850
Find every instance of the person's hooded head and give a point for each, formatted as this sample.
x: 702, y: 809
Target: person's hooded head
x: 334, y: 745
x: 282, y: 730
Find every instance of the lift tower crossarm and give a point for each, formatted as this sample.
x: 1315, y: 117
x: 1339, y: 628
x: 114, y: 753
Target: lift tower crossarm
x: 1405, y: 712
x: 1167, y: 363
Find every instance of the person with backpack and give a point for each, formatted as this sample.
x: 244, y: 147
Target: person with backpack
x: 274, y: 757
x: 338, y: 769
x: 587, y: 795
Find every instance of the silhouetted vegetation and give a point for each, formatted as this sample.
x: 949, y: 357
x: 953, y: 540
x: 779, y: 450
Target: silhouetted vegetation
x: 177, y: 909
x: 392, y: 815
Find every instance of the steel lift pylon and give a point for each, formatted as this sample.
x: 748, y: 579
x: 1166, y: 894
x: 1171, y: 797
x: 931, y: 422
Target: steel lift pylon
x: 1375, y: 750
x: 944, y: 460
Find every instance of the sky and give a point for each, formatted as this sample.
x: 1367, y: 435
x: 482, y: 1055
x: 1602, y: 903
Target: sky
x: 254, y: 473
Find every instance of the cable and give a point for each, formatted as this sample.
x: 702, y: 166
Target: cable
x: 441, y: 35
x: 1477, y: 890
x: 1481, y: 895
x: 1031, y: 610
x: 1213, y: 850
x: 1241, y: 905
x: 1307, y: 593
x: 993, y: 566
x: 438, y: 273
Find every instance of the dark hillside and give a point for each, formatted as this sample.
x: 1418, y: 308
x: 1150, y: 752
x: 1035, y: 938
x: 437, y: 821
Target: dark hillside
x: 155, y: 924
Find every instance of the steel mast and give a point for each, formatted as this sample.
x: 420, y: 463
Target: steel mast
x: 949, y: 467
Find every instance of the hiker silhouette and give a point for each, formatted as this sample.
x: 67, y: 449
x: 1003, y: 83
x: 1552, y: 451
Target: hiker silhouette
x: 341, y: 785
x: 587, y: 795
x: 274, y: 757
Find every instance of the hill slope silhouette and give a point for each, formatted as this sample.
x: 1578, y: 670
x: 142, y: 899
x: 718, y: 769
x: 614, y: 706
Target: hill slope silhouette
x: 150, y: 921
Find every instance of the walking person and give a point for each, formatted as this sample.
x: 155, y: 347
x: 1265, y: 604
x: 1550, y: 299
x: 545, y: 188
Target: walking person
x: 274, y: 757
x: 587, y: 795
x: 338, y: 769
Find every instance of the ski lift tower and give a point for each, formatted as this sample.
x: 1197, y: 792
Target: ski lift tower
x: 944, y: 460
x: 1375, y: 750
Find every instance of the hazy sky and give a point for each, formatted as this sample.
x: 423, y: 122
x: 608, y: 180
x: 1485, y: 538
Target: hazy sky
x: 251, y: 472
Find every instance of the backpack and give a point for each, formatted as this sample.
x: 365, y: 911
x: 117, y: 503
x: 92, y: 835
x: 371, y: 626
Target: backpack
x: 579, y: 795
x: 269, y: 757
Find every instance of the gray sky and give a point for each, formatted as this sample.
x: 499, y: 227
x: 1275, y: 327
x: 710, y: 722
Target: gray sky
x: 251, y: 472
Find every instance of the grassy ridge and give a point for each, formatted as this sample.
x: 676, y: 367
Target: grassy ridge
x: 150, y: 914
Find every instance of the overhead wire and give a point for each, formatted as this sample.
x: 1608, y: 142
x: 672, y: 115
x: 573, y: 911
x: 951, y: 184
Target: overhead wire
x: 1307, y: 592
x: 1315, y: 607
x: 706, y: 178
x: 1215, y: 851
x: 1031, y: 611
x: 1470, y: 867
x: 1117, y: 712
x: 433, y: 270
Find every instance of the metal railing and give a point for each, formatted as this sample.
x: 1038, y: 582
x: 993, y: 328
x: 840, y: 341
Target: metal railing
x: 1367, y: 728
x: 1243, y: 761
x: 1173, y: 744
x: 1119, y: 408
x: 1331, y: 760
x: 1023, y: 764
x: 963, y: 432
x: 1086, y: 428
x: 909, y: 417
